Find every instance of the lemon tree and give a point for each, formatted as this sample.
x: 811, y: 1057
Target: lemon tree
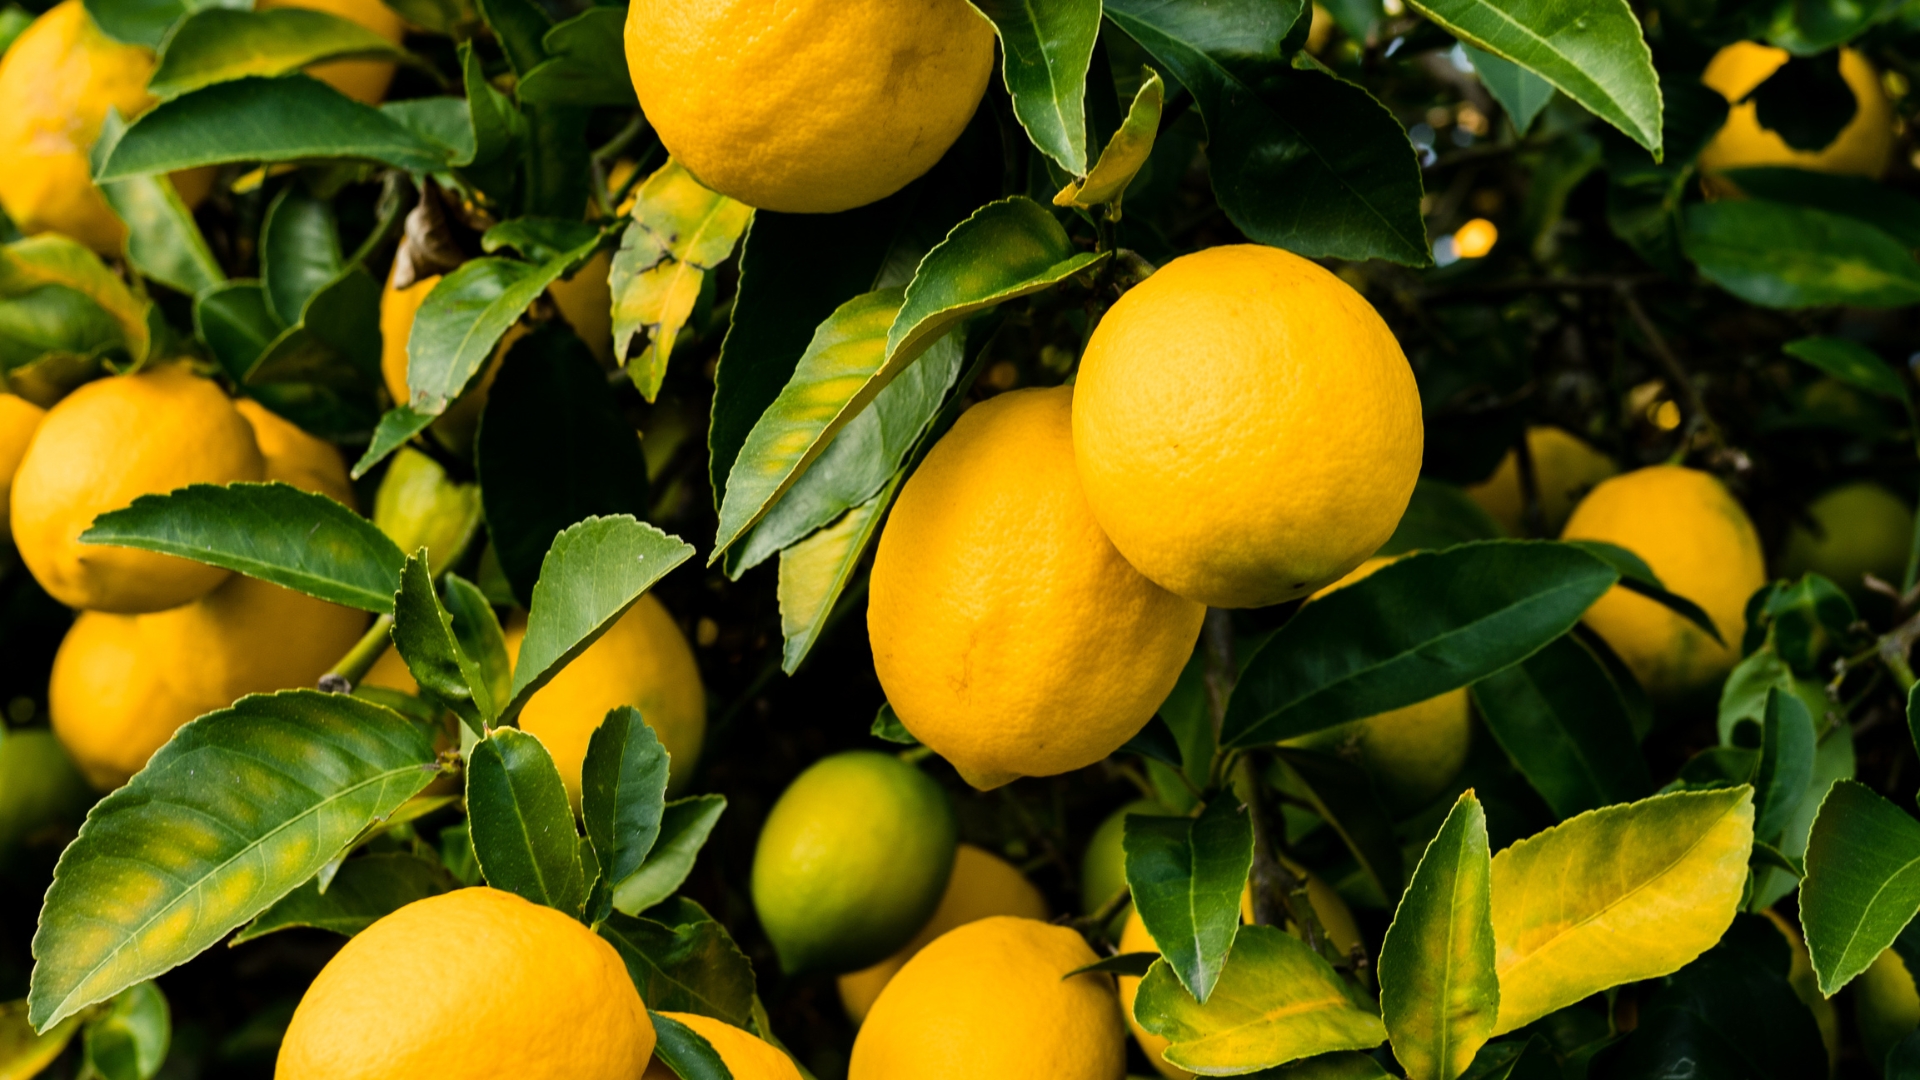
x: 939, y: 539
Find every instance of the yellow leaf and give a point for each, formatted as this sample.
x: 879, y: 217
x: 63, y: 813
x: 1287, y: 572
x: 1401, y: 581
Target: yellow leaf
x: 1616, y: 895
x: 1126, y: 152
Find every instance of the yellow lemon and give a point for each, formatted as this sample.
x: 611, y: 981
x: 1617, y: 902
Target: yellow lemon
x: 97, y: 450
x: 990, y: 999
x: 295, y: 457
x: 1103, y: 868
x: 1564, y: 470
x: 364, y: 81
x: 1412, y: 753
x: 1886, y: 1005
x: 57, y: 82
x: 1246, y: 427
x: 19, y: 419
x: 643, y: 660
x: 808, y: 107
x: 1008, y: 633
x: 586, y: 301
x: 745, y: 1056
x: 982, y: 885
x: 471, y: 984
x: 1858, y: 529
x: 1701, y: 545
x: 1335, y: 918
x: 851, y: 861
x: 456, y: 426
x: 1863, y: 147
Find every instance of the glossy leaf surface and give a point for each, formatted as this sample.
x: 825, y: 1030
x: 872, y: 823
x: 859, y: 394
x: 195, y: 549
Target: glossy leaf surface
x: 1863, y: 882
x: 815, y: 571
x: 464, y: 317
x: 1186, y: 876
x: 1046, y: 47
x: 684, y: 962
x: 623, y: 790
x: 521, y: 823
x: 218, y: 44
x: 423, y: 635
x: 685, y: 825
x: 1124, y: 154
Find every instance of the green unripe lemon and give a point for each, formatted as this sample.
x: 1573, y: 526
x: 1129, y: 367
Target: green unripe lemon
x: 1885, y: 1006
x: 1103, y: 869
x: 38, y: 787
x: 852, y: 861
x: 1859, y: 528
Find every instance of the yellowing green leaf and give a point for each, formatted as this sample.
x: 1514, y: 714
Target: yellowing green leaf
x: 1276, y: 1001
x: 23, y: 1054
x: 815, y: 571
x: 1616, y: 895
x: 680, y: 231
x: 1438, y: 991
x: 1126, y: 152
x: 52, y: 259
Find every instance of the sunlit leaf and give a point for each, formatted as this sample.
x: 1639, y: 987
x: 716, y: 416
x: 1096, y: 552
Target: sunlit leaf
x: 163, y: 241
x: 1124, y: 154
x: 51, y: 259
x: 216, y: 44
x: 167, y: 865
x: 24, y: 1054
x: 815, y: 571
x: 1438, y: 991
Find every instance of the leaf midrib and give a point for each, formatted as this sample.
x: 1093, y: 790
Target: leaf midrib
x: 1425, y: 5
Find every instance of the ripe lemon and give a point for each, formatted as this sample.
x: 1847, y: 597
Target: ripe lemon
x: 99, y: 448
x: 643, y: 660
x: 455, y: 426
x: 40, y: 789
x: 851, y: 861
x: 1806, y: 987
x: 295, y: 457
x: 989, y: 999
x: 1008, y: 633
x: 1246, y: 427
x: 1701, y: 545
x: 585, y: 300
x: 1335, y: 918
x: 57, y: 82
x: 471, y: 984
x: 1412, y: 753
x: 746, y: 1056
x: 1103, y: 868
x: 1859, y: 529
x: 19, y: 419
x: 1885, y: 1005
x: 1863, y: 147
x: 808, y: 107
x: 982, y: 885
x: 1564, y: 469
x: 364, y: 81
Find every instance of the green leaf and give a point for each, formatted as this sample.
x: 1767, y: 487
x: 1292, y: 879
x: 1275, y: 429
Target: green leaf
x: 1047, y: 46
x: 219, y: 44
x: 1350, y: 179
x: 163, y: 241
x: 1637, y: 577
x: 1277, y: 1001
x: 814, y: 572
x: 144, y: 22
x: 1785, y: 768
x: 464, y: 317
x: 592, y: 574
x: 521, y: 823
x: 623, y: 791
x: 363, y: 891
x: 1783, y: 256
x: 1593, y: 52
x: 680, y: 231
x: 1733, y: 1012
x: 1343, y: 795
x: 299, y: 252
x: 1125, y: 154
x: 51, y: 259
x: 886, y: 725
x: 423, y: 634
x: 1186, y: 876
x: 1519, y: 91
x: 684, y: 827
x: 1852, y: 363
x: 234, y: 322
x: 685, y: 1051
x: 520, y: 25
x: 538, y: 238
x: 129, y: 1040
x: 167, y: 865
x: 865, y: 456
x: 1438, y: 991
x: 1666, y: 873
x: 397, y: 427
x: 1863, y: 882
x: 684, y: 962
x: 274, y: 532
x: 24, y: 1054
x: 551, y: 414
x: 1429, y: 623
x: 588, y: 66
x: 1006, y: 250
x: 1566, y: 722
x: 293, y: 118
x: 477, y: 630
x: 1858, y: 197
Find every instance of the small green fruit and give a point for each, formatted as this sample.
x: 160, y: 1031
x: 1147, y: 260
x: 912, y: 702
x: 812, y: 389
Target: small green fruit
x: 852, y: 862
x: 1103, y: 869
x: 39, y: 787
x: 1859, y: 528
